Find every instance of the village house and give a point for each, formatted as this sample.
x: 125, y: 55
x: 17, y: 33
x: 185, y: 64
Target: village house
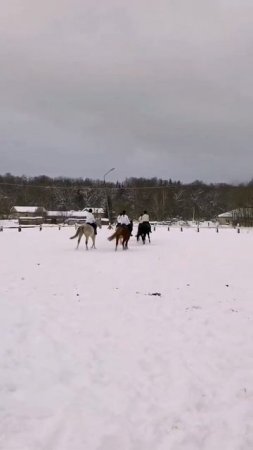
x: 27, y: 211
x: 28, y: 215
x: 241, y: 216
x: 75, y: 217
x: 72, y: 217
x: 55, y: 217
x: 225, y: 218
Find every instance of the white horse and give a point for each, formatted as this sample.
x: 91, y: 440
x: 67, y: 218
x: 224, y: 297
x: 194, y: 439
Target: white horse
x: 88, y: 231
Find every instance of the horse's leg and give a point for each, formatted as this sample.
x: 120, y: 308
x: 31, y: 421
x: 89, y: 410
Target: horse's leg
x: 79, y: 239
x: 116, y: 245
x: 124, y: 242
x: 93, y: 240
x: 148, y: 238
x: 86, y: 242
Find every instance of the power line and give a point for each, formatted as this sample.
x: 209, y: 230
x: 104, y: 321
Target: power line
x: 78, y: 187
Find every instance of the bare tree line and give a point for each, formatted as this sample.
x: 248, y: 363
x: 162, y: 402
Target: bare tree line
x: 164, y: 199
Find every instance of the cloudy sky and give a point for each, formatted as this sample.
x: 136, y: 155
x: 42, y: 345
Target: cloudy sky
x: 151, y: 87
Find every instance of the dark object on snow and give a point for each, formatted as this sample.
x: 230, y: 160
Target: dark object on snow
x: 144, y: 229
x: 158, y: 294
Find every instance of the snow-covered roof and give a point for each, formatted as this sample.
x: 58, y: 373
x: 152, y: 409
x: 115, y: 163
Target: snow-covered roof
x: 95, y: 210
x: 81, y: 214
x: 26, y: 209
x: 30, y: 218
x: 77, y: 214
x: 57, y: 213
x: 236, y: 212
x: 226, y: 214
x: 66, y: 214
x: 73, y: 213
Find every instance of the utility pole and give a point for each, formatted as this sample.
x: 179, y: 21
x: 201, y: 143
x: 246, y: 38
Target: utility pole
x: 108, y: 206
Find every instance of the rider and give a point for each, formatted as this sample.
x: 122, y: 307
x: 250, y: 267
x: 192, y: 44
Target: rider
x: 125, y: 222
x: 90, y: 220
x: 144, y: 219
x: 119, y: 220
x: 140, y: 218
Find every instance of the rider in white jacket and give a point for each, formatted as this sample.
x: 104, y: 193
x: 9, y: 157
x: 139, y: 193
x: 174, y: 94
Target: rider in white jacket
x: 144, y: 219
x: 90, y: 219
x: 118, y: 222
x: 124, y: 219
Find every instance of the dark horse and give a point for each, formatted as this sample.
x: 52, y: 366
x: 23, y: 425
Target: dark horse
x: 121, y: 232
x: 143, y: 231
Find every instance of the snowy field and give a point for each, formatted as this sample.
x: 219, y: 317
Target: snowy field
x: 91, y: 360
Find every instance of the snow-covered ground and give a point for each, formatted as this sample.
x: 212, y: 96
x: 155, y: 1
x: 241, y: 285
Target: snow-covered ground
x: 92, y: 358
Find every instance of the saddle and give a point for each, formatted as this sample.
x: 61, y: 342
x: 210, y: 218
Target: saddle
x: 93, y: 225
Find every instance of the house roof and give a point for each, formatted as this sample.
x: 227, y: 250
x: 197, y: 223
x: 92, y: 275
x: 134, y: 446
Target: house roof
x: 77, y: 214
x: 26, y: 209
x: 236, y: 212
x: 73, y: 213
x: 226, y: 214
x: 67, y: 214
x: 95, y: 210
x: 33, y: 209
x: 57, y: 213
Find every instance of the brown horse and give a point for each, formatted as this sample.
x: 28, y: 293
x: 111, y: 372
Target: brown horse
x: 121, y: 232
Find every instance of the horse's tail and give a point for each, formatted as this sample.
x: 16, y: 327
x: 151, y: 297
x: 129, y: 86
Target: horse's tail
x: 77, y: 233
x: 113, y: 236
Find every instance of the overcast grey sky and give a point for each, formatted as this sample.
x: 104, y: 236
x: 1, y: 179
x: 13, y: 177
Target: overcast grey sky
x: 151, y: 87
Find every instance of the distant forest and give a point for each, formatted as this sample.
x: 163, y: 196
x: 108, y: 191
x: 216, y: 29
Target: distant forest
x: 163, y: 199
